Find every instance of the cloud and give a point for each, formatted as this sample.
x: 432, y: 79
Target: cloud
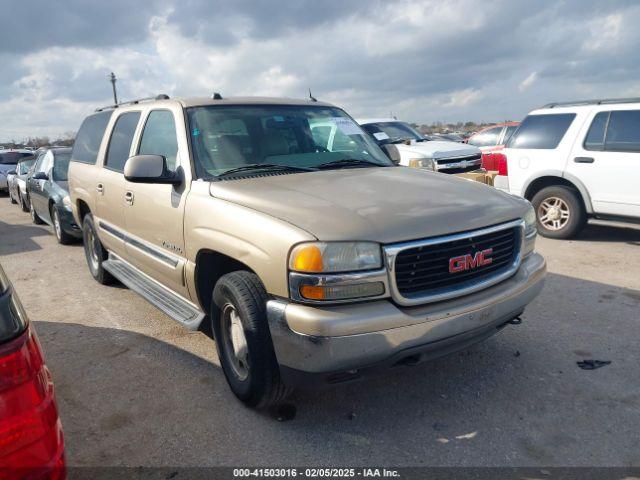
x: 528, y: 82
x: 424, y: 60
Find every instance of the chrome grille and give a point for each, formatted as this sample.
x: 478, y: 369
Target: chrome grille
x: 462, y: 164
x: 420, y: 270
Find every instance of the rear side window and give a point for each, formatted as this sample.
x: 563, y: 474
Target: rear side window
x: 623, y: 131
x: 89, y: 137
x: 120, y: 141
x: 542, y: 132
x: 510, y: 130
x: 61, y: 167
x: 159, y: 137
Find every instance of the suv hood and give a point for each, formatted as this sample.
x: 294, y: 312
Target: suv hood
x: 437, y: 150
x: 386, y: 205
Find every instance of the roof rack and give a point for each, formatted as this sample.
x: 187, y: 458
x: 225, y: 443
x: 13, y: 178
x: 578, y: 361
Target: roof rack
x: 601, y: 101
x: 161, y: 96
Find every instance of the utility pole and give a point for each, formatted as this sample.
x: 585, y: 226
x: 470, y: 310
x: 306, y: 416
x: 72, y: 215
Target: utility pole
x: 112, y: 79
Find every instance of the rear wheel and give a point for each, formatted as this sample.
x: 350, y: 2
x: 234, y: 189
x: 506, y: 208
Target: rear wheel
x: 34, y: 216
x: 245, y: 348
x: 94, y: 252
x: 560, y: 212
x: 63, y: 237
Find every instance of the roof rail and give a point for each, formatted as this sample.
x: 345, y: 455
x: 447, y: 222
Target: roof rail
x: 161, y: 96
x: 601, y: 101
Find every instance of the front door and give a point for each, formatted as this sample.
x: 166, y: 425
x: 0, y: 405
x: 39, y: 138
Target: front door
x: 607, y: 162
x: 154, y: 213
x: 110, y: 198
x: 36, y: 187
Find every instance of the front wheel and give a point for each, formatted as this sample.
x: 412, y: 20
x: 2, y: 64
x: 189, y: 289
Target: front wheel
x: 94, y: 252
x: 13, y: 200
x: 34, y: 216
x: 560, y: 212
x: 63, y: 237
x: 245, y: 348
x: 24, y: 203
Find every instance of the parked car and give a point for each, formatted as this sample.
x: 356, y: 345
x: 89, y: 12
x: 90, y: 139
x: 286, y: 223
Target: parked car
x: 316, y: 263
x: 407, y: 147
x: 8, y: 161
x: 575, y: 161
x: 31, y: 440
x: 492, y: 140
x: 48, y: 194
x: 18, y: 183
x: 448, y: 137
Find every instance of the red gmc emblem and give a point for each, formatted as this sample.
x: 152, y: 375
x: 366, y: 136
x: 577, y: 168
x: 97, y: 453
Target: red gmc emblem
x: 469, y: 262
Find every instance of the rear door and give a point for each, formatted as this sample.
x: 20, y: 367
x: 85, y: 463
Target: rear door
x: 154, y: 213
x: 110, y: 198
x: 607, y: 161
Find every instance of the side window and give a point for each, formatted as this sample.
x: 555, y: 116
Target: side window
x: 623, y: 131
x: 510, y: 130
x: 42, y: 163
x: 159, y: 137
x: 542, y: 132
x: 595, y: 136
x: 89, y: 137
x: 487, y: 138
x: 120, y: 141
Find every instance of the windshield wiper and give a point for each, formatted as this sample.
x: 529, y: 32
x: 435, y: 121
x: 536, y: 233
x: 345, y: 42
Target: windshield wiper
x: 264, y: 166
x: 349, y: 162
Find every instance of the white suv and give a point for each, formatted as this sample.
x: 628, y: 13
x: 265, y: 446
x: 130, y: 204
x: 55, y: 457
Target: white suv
x: 576, y: 161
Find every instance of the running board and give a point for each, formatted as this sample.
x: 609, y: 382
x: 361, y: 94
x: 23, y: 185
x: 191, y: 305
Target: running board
x: 161, y: 297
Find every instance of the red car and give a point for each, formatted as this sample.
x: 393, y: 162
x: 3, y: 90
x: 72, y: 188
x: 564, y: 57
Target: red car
x: 31, y: 441
x: 491, y: 140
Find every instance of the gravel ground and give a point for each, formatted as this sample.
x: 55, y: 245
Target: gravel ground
x: 135, y: 388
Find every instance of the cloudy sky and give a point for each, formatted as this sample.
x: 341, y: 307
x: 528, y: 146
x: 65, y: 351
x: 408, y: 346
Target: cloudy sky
x: 423, y: 60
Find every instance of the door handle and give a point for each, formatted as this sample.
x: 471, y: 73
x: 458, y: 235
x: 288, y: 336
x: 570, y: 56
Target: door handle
x: 584, y: 160
x: 128, y: 198
x: 100, y: 188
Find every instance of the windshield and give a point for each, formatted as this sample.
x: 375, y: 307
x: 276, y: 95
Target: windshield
x: 25, y: 165
x: 302, y: 137
x: 389, y: 132
x: 61, y: 166
x: 12, y: 158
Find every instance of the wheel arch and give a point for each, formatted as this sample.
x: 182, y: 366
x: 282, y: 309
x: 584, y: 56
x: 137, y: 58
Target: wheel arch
x: 551, y: 178
x: 210, y: 266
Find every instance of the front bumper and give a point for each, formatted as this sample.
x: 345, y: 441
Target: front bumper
x: 316, y: 346
x: 68, y: 223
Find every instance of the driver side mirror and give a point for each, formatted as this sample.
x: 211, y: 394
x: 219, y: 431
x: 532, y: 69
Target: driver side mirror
x: 149, y: 169
x: 12, y: 172
x: 40, y: 176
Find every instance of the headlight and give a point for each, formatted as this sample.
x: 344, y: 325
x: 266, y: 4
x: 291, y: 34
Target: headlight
x: 333, y: 257
x: 66, y: 201
x: 530, y: 232
x: 336, y: 271
x: 422, y: 163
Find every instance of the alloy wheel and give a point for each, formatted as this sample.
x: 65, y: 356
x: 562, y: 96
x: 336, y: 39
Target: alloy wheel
x: 554, y: 213
x: 235, y: 341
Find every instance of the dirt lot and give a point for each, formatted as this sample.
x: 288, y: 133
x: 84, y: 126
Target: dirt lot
x: 135, y: 388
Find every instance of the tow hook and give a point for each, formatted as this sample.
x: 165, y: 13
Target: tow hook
x: 515, y: 321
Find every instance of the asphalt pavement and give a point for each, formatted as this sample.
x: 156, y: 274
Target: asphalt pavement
x: 136, y: 389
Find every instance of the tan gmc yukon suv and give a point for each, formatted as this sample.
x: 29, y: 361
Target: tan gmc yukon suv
x: 314, y: 262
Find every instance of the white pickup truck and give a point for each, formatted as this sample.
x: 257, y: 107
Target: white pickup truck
x: 406, y: 146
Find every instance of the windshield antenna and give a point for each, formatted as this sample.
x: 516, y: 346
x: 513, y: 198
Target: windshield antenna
x: 311, y: 97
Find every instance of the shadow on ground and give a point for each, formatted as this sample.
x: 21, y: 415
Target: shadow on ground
x: 19, y: 238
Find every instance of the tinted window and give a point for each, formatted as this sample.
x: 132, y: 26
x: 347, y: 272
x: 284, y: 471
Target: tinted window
x: 488, y: 138
x: 541, y: 131
x: 159, y: 137
x: 89, y: 137
x: 394, y: 130
x: 61, y: 166
x: 595, y: 136
x: 120, y: 142
x: 12, y: 158
x: 623, y: 132
x: 24, y: 166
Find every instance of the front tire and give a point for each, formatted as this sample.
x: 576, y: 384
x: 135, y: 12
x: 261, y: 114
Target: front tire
x: 24, y: 203
x: 63, y: 237
x: 94, y: 252
x: 560, y: 212
x: 34, y: 216
x: 13, y: 200
x: 245, y: 348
